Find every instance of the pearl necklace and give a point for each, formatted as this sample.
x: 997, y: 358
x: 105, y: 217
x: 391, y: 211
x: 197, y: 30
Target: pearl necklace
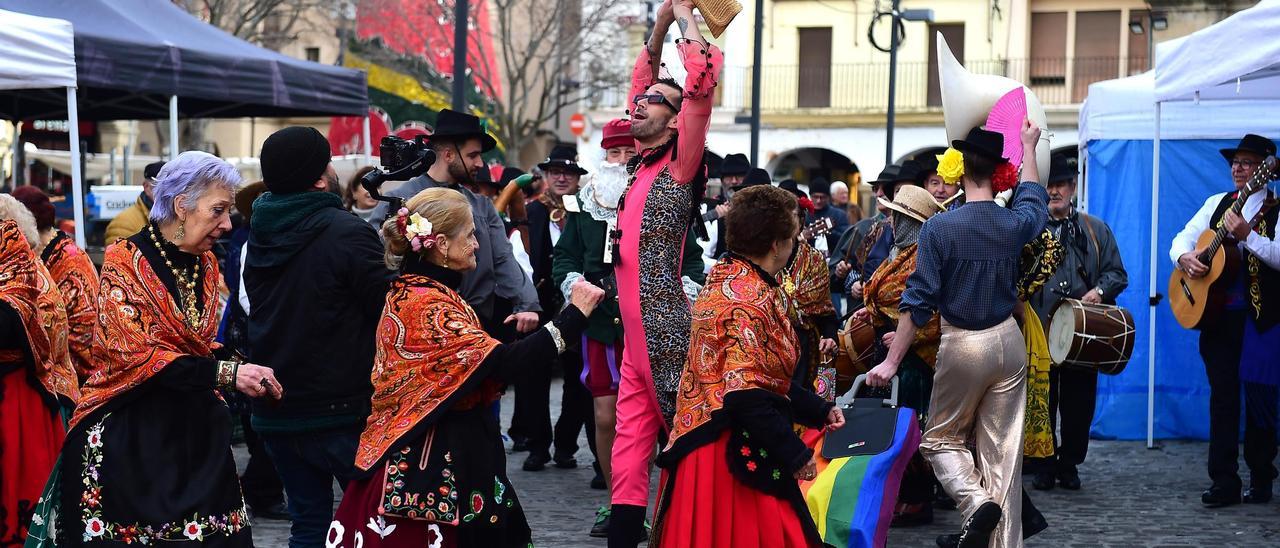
x: 186, y: 285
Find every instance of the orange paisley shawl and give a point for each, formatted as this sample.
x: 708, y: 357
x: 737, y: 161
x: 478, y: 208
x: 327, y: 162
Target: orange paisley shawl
x: 742, y: 340
x: 140, y: 327
x: 807, y: 284
x: 882, y: 295
x: 27, y: 287
x: 429, y: 344
x: 77, y: 280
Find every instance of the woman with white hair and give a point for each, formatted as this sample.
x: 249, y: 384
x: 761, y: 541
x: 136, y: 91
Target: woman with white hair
x: 147, y: 458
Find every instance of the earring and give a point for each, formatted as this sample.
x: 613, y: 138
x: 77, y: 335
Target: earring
x: 182, y: 231
x: 446, y: 259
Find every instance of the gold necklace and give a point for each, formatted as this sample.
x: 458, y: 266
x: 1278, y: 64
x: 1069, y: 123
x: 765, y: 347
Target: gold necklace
x: 186, y: 285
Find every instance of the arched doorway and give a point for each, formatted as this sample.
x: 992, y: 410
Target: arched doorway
x: 804, y: 164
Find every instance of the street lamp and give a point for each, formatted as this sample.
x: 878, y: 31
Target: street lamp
x: 899, y: 15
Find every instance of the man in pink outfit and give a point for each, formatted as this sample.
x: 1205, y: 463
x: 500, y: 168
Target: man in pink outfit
x: 669, y: 123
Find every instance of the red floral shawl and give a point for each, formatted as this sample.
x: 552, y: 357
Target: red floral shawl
x: 882, y: 295
x: 77, y: 280
x: 742, y: 340
x: 140, y: 327
x: 429, y: 344
x: 27, y: 287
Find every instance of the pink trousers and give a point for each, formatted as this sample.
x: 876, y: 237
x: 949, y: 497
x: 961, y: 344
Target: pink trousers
x: 639, y: 421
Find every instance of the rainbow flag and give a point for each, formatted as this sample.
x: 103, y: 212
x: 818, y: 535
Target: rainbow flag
x: 852, y: 498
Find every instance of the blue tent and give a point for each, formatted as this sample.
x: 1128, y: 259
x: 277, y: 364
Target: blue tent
x: 1123, y: 130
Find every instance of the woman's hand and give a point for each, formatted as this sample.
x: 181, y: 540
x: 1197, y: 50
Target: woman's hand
x: 1030, y: 135
x: 826, y: 346
x: 585, y: 296
x: 882, y: 375
x: 808, y: 471
x: 257, y: 381
x: 835, y: 419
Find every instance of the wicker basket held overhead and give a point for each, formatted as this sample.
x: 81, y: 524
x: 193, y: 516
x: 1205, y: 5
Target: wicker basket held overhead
x: 718, y: 14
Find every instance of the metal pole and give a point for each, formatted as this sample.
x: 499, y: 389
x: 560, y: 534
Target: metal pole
x: 77, y: 177
x: 1151, y: 284
x: 173, y: 127
x: 893, y: 83
x: 756, y: 69
x: 460, y: 80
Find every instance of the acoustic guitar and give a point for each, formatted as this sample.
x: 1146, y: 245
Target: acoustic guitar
x: 1198, y: 301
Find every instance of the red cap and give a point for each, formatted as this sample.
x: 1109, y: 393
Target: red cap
x: 617, y: 133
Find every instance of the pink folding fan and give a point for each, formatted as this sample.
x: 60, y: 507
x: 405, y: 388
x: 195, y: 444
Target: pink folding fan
x: 1006, y: 118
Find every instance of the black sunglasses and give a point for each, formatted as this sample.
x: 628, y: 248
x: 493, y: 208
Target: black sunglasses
x: 655, y: 99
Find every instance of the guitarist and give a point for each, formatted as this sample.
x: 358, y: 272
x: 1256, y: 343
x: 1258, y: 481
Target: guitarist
x: 1239, y: 345
x: 1092, y: 272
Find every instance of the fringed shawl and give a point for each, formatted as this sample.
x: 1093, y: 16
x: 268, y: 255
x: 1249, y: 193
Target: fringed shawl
x: 27, y: 287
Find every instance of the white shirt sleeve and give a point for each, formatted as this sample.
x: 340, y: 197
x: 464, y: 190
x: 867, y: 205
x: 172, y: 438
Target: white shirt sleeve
x: 521, y: 256
x: 243, y: 296
x: 1186, y: 239
x: 1267, y: 249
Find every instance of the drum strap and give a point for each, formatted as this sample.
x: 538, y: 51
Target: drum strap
x: 1093, y: 239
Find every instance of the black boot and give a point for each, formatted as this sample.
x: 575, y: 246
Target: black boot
x: 1258, y: 494
x: 976, y: 532
x: 1220, y: 495
x: 626, y: 526
x: 1033, y: 521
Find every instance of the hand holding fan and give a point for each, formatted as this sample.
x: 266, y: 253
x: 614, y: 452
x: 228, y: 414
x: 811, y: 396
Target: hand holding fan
x: 1006, y: 118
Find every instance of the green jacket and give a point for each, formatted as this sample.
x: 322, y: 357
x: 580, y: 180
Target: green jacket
x: 581, y: 249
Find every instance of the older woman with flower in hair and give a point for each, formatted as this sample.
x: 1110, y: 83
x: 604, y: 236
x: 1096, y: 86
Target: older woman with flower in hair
x: 434, y: 468
x: 147, y: 458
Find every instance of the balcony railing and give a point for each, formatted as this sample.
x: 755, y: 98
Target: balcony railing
x: 864, y: 87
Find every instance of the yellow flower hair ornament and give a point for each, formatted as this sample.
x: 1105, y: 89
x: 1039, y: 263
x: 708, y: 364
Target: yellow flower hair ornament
x: 951, y: 166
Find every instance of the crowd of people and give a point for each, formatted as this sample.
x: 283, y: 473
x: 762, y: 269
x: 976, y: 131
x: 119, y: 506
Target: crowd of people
x: 369, y: 341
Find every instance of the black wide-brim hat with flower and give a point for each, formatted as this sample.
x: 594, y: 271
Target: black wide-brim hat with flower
x: 452, y: 125
x: 1256, y: 144
x: 563, y: 157
x: 981, y: 142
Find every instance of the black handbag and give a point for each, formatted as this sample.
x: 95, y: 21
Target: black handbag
x: 870, y: 424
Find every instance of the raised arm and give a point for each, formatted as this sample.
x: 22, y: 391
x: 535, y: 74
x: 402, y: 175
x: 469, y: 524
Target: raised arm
x: 702, y: 62
x: 645, y: 72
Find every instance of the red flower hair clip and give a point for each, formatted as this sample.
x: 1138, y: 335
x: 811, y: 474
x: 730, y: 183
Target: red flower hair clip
x: 1004, y: 178
x: 806, y: 204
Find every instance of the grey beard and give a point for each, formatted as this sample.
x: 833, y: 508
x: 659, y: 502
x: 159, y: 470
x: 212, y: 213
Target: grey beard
x: 610, y: 182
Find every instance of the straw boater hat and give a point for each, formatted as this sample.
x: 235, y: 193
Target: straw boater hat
x: 914, y: 202
x: 718, y: 13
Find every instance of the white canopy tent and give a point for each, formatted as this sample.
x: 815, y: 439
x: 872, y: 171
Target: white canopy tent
x: 1205, y: 87
x: 40, y: 54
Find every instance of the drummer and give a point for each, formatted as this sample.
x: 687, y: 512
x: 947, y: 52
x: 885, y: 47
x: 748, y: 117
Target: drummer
x: 1092, y: 272
x: 909, y: 210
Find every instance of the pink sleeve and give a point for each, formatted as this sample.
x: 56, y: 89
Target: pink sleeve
x: 641, y: 76
x: 703, y: 64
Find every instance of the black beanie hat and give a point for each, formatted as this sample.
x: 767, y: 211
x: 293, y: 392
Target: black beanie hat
x: 293, y: 159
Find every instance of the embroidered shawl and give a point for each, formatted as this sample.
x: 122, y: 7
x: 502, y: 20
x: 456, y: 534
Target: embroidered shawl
x: 807, y: 284
x: 77, y: 281
x: 27, y: 287
x: 742, y: 339
x: 429, y: 346
x: 140, y: 327
x: 883, y: 293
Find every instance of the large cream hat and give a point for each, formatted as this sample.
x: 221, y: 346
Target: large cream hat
x: 718, y: 14
x: 914, y: 202
x: 967, y: 98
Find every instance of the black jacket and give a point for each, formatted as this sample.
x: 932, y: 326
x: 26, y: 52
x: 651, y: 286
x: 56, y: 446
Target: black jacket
x: 317, y: 286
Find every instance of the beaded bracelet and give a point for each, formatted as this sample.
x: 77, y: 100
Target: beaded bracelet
x: 557, y: 337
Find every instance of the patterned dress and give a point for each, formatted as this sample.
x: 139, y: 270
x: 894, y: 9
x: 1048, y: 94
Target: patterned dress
x: 806, y: 282
x: 729, y: 466
x: 148, y: 459
x: 36, y: 381
x: 435, y: 468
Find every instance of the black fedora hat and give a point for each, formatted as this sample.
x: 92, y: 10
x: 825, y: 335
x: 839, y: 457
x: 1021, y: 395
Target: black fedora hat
x: 1256, y: 144
x: 452, y: 125
x: 908, y: 172
x: 988, y: 144
x: 790, y: 185
x: 1061, y: 168
x: 509, y: 174
x: 735, y: 164
x: 564, y: 157
x: 756, y: 177
x: 819, y: 185
x: 887, y: 175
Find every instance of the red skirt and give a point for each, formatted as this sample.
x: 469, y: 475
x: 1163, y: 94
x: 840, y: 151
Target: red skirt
x: 710, y: 508
x: 31, y: 435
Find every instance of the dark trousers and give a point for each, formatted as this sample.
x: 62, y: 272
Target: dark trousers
x: 260, y: 482
x: 533, y: 406
x: 1073, y: 394
x: 1220, y: 348
x: 308, y: 464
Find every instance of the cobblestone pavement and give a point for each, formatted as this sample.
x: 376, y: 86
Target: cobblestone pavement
x: 1132, y: 497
